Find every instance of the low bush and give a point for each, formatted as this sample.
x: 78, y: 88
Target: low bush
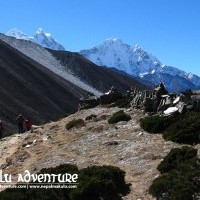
x: 90, y: 117
x: 106, y: 182
x: 75, y: 123
x: 179, y: 175
x: 96, y: 182
x: 172, y: 186
x: 186, y: 130
x: 119, y: 116
x: 177, y: 157
x: 155, y: 124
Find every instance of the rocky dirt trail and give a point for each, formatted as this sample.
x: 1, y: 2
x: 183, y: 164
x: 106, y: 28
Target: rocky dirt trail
x: 124, y: 145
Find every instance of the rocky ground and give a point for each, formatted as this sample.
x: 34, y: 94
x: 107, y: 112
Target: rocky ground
x: 124, y: 145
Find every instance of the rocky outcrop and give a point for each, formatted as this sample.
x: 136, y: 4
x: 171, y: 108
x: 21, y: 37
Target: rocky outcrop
x: 111, y: 96
x: 151, y: 101
x: 92, y: 101
x: 160, y: 101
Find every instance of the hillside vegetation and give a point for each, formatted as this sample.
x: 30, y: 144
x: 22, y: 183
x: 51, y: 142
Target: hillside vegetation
x: 123, y: 144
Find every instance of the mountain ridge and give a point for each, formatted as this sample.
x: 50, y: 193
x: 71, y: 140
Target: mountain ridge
x: 41, y: 37
x: 133, y: 60
x: 98, y: 77
x: 38, y: 53
x: 40, y: 74
x: 138, y: 63
x: 29, y: 88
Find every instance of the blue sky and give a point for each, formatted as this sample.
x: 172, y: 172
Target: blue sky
x: 169, y: 29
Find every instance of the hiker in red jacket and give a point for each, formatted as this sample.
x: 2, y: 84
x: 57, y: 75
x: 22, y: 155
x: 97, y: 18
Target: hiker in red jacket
x: 28, y: 124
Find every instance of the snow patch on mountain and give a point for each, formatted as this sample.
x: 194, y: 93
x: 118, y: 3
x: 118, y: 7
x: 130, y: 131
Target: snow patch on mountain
x: 45, y: 58
x: 135, y: 61
x: 41, y: 37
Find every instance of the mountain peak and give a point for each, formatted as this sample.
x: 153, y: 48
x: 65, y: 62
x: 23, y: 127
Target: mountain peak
x: 114, y: 40
x: 40, y: 31
x: 17, y: 34
x: 115, y: 53
x: 137, y: 62
x: 41, y: 37
x: 137, y: 47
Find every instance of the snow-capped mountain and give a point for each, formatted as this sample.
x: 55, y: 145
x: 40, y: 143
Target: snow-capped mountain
x: 41, y: 37
x: 114, y: 53
x: 17, y: 34
x: 138, y: 63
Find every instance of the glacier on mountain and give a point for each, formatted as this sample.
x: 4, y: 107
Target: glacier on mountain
x: 41, y: 37
x: 140, y: 64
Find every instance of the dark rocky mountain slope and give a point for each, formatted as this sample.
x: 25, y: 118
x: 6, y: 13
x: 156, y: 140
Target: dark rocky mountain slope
x: 98, y: 77
x: 36, y: 91
x: 32, y: 89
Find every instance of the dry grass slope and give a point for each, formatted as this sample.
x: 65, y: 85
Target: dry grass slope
x: 123, y: 144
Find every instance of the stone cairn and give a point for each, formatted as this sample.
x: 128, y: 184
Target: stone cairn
x: 158, y: 100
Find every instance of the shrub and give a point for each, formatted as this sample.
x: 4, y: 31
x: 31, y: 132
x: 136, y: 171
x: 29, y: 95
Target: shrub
x: 155, y: 124
x: 75, y: 123
x: 177, y: 157
x: 181, y: 129
x: 180, y: 175
x: 61, y: 169
x: 186, y: 130
x: 96, y: 182
x: 105, y: 173
x: 92, y: 116
x: 119, y: 116
x: 106, y: 182
x: 172, y: 186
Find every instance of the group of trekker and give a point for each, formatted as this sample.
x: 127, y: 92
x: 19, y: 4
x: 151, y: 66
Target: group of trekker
x: 21, y: 122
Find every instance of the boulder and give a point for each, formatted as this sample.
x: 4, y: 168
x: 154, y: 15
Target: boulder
x: 166, y: 101
x: 160, y: 89
x: 181, y: 107
x: 196, y: 101
x: 171, y: 111
x: 189, y: 107
x: 136, y: 100
x: 87, y: 103
x: 195, y: 97
x: 149, y: 105
x: 111, y: 96
x: 176, y: 100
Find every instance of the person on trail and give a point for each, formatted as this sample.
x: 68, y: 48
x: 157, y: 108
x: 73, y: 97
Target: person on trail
x: 20, y: 123
x: 1, y: 129
x: 28, y: 124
